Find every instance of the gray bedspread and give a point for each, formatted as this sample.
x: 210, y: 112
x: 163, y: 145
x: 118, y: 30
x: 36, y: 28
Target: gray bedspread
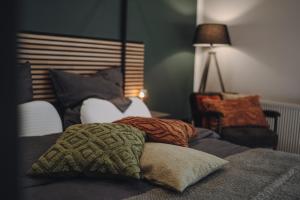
x: 257, y: 174
x: 96, y: 189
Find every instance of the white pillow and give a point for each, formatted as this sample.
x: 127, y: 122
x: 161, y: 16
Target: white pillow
x: 38, y: 118
x: 137, y: 109
x: 101, y: 111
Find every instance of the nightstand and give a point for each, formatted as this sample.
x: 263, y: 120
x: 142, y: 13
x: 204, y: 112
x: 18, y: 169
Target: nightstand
x: 157, y: 114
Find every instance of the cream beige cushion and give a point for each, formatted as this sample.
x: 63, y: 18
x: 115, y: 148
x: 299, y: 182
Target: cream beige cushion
x: 177, y: 167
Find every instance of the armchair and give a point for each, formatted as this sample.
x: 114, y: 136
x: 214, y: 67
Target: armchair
x: 251, y: 136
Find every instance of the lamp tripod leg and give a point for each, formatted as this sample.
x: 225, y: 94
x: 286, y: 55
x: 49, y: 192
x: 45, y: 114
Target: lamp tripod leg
x: 204, y: 77
x: 219, y: 72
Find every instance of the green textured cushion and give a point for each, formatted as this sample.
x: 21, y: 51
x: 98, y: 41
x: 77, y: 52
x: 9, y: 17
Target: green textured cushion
x: 93, y: 150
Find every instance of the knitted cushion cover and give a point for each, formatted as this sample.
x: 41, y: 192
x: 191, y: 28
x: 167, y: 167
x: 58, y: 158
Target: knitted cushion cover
x: 93, y: 150
x: 162, y: 130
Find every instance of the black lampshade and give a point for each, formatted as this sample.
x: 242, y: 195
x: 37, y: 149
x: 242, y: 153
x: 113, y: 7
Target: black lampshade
x: 212, y: 35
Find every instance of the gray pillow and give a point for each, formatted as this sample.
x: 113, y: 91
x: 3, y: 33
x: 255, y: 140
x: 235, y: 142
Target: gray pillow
x: 24, y: 83
x: 71, y: 116
x: 71, y: 89
x: 114, y: 75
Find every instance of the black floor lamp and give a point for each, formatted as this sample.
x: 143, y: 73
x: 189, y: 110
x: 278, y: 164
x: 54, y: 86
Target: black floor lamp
x: 211, y: 35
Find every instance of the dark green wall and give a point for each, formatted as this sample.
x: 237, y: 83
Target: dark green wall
x: 95, y: 18
x: 165, y: 26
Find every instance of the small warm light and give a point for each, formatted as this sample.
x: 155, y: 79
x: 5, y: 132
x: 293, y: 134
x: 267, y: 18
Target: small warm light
x: 143, y: 94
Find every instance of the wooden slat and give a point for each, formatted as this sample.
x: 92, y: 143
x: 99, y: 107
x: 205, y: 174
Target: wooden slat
x: 83, y: 56
x: 141, y: 46
x: 43, y: 91
x: 41, y: 86
x: 141, y: 73
x: 129, y: 61
x: 44, y: 96
x: 134, y: 49
x: 135, y: 90
x: 67, y: 58
x: 135, y: 70
x: 134, y: 82
x: 73, y: 49
x: 71, y: 44
x: 135, y: 64
x: 137, y: 53
x: 61, y: 62
x: 131, y: 85
x: 138, y: 57
x: 132, y: 94
x: 45, y: 72
x: 41, y: 82
x: 131, y: 68
x: 138, y: 69
x: 134, y: 86
x: 82, y: 72
x: 132, y: 76
x: 47, y: 67
x: 69, y: 39
x: 70, y: 53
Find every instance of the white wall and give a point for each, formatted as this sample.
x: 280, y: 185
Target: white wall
x: 265, y: 56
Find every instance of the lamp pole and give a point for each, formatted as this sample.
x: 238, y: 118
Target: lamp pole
x: 211, y: 55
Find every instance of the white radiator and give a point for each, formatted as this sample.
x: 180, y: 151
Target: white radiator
x: 288, y: 125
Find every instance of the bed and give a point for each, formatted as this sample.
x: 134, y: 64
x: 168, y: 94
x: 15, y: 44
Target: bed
x: 33, y: 147
x: 250, y: 174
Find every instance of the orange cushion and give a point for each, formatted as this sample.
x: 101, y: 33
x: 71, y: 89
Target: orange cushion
x: 201, y: 98
x: 244, y: 111
x: 162, y: 130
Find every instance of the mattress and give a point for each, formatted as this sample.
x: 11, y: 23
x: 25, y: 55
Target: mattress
x: 95, y: 188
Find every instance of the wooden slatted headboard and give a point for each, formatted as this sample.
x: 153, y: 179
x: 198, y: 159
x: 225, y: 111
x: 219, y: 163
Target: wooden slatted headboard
x: 78, y: 55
